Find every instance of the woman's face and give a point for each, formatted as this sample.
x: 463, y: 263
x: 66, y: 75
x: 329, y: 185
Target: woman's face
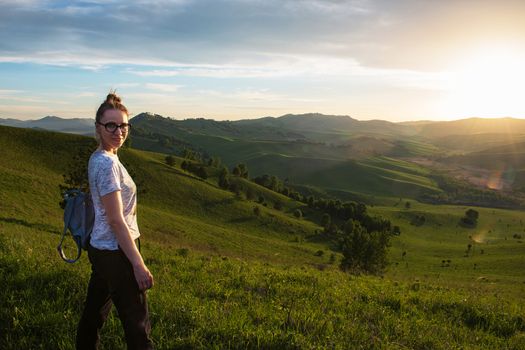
x: 111, y: 141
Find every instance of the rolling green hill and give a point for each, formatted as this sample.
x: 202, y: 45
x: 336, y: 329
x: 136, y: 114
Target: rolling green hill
x: 348, y: 162
x: 373, y: 176
x: 176, y: 206
x: 228, y: 279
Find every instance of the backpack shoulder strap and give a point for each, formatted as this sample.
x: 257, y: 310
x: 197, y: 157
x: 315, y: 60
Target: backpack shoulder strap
x: 67, y: 218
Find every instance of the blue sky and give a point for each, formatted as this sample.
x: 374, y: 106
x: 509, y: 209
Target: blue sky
x: 237, y: 59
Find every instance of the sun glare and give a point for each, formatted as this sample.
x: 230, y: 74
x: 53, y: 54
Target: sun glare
x: 487, y: 83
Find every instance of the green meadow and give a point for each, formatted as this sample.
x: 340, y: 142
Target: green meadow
x: 227, y: 278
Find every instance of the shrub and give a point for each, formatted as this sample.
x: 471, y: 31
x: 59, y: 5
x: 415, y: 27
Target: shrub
x: 170, y: 160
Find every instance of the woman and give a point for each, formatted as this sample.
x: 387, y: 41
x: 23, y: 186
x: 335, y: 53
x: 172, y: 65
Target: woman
x: 119, y: 274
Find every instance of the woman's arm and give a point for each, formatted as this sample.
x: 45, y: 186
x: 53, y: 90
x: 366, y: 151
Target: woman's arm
x: 112, y: 203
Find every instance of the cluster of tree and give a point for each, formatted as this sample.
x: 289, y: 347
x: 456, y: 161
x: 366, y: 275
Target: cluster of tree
x: 275, y: 184
x: 240, y: 170
x: 363, y: 239
x: 470, y: 219
x: 190, y: 154
x: 214, y: 162
x: 269, y: 181
x: 194, y: 168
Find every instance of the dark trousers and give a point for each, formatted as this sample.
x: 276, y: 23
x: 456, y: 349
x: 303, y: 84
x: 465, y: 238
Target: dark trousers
x: 113, y: 282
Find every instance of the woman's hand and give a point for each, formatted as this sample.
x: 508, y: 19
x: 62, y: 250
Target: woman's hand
x: 143, y: 276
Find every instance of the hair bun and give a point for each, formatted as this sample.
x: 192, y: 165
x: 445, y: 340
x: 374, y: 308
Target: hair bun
x: 113, y: 101
x: 113, y: 98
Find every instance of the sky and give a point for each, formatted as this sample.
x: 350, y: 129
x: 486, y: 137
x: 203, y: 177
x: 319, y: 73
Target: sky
x: 237, y: 59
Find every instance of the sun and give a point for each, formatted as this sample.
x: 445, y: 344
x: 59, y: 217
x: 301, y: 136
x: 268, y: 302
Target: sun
x: 487, y: 82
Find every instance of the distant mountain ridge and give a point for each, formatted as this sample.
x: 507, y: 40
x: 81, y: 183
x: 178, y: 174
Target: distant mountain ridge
x: 83, y: 126
x: 295, y: 125
x: 305, y: 148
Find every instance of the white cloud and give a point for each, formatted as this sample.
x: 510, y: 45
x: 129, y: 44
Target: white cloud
x: 126, y: 85
x: 163, y: 87
x: 257, y: 95
x: 5, y: 92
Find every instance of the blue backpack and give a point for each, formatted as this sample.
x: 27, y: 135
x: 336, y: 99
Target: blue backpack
x: 79, y: 217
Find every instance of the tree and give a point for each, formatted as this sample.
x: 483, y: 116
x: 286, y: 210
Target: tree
x: 202, y: 173
x: 244, y: 170
x: 236, y: 171
x: 326, y: 220
x: 223, y: 178
x: 470, y: 219
x: 216, y: 162
x: 240, y: 170
x: 310, y: 201
x: 170, y: 160
x: 224, y: 183
x: 363, y: 251
x: 472, y: 214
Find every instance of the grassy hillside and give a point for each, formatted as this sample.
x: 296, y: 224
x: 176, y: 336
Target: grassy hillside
x: 228, y: 279
x: 492, y: 264
x: 374, y: 176
x: 177, y: 206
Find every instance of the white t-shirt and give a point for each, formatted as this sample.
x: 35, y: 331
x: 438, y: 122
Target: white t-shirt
x: 106, y: 174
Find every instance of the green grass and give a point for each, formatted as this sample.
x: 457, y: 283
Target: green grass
x: 208, y: 301
x: 493, y: 264
x: 227, y: 279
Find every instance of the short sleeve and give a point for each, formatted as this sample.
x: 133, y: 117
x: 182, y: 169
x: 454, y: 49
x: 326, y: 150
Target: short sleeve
x: 108, y: 178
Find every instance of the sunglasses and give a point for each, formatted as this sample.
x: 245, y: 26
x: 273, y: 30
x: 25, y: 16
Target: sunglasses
x: 112, y: 127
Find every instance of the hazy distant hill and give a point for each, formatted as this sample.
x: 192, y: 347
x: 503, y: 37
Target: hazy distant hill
x: 314, y: 127
x: 504, y: 158
x: 310, y: 136
x: 82, y: 126
x: 477, y: 142
x: 472, y: 126
x: 313, y: 124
